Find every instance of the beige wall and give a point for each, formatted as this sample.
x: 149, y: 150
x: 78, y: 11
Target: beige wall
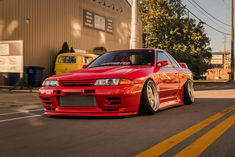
x: 44, y: 25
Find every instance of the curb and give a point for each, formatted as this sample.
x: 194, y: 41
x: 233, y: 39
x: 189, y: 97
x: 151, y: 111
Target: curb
x: 9, y: 90
x: 24, y: 91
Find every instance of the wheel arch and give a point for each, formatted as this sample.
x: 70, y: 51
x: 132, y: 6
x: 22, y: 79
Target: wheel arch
x: 140, y: 107
x: 182, y: 89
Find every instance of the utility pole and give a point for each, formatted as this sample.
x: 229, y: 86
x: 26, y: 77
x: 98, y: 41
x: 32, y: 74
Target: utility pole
x: 225, y: 46
x: 134, y: 42
x: 232, y: 45
x: 224, y: 54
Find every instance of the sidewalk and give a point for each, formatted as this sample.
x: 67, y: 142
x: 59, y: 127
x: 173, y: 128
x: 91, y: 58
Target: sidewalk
x: 209, y: 83
x: 11, y: 89
x: 19, y: 99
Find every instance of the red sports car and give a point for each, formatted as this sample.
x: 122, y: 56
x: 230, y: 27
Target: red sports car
x: 120, y: 83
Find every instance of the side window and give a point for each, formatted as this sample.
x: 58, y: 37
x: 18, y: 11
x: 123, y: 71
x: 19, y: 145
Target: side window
x: 174, y: 62
x: 87, y: 60
x: 163, y: 57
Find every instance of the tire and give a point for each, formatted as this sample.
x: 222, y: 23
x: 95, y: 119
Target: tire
x: 188, y: 94
x: 149, y: 101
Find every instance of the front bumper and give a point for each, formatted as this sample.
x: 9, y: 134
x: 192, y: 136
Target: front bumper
x: 120, y: 100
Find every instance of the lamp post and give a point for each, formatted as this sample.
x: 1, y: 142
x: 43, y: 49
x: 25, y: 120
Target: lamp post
x: 232, y: 45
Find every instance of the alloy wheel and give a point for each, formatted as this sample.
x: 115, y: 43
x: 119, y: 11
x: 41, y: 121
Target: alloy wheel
x: 152, y: 96
x: 191, y: 91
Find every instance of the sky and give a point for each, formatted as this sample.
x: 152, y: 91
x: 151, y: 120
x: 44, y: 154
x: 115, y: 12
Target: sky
x: 221, y: 9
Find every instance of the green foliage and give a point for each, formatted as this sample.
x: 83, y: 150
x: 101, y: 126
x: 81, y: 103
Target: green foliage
x: 65, y: 48
x: 166, y: 26
x: 72, y: 50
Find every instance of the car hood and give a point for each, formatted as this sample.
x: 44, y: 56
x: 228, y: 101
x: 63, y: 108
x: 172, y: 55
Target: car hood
x: 106, y: 72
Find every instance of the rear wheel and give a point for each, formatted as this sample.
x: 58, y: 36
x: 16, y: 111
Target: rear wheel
x: 149, y: 102
x: 188, y: 94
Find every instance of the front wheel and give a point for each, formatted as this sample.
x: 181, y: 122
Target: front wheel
x: 188, y: 94
x: 149, y: 102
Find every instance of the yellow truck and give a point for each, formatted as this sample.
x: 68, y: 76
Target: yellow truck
x: 67, y: 62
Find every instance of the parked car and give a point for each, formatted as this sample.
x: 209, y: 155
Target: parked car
x: 120, y: 83
x: 67, y: 62
x: 200, y: 77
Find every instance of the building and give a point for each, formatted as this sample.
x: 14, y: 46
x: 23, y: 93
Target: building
x: 218, y: 74
x: 91, y: 26
x: 221, y: 66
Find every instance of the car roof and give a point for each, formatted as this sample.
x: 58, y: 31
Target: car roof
x: 156, y: 49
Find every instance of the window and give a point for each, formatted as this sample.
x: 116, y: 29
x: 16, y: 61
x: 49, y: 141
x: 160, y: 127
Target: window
x: 87, y: 60
x: 163, y: 57
x: 67, y: 59
x: 174, y: 62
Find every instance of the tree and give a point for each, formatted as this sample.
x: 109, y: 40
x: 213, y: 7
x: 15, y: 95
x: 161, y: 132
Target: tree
x: 166, y: 26
x: 65, y: 48
x: 72, y: 50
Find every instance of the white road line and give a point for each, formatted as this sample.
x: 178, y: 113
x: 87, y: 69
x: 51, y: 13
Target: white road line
x: 23, y: 111
x: 11, y: 119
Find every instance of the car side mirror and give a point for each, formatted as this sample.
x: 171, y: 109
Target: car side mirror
x: 84, y: 66
x: 183, y: 65
x: 162, y: 64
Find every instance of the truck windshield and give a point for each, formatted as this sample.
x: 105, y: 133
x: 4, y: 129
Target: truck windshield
x: 125, y: 58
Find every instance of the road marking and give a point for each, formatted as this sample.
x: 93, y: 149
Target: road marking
x: 164, y: 146
x: 199, y: 145
x: 11, y: 119
x: 23, y: 111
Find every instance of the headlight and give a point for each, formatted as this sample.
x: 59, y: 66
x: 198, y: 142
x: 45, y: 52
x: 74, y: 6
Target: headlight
x: 50, y: 83
x: 112, y: 81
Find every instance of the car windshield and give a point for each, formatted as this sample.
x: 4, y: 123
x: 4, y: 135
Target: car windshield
x: 125, y: 58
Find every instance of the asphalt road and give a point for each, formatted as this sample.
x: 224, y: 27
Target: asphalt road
x: 204, y: 129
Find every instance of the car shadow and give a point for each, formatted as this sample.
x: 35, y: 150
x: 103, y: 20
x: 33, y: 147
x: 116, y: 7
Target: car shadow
x: 198, y: 105
x: 89, y: 118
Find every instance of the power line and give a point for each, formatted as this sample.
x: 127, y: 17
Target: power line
x: 201, y: 20
x: 217, y: 29
x: 224, y: 3
x: 206, y: 15
x: 210, y: 14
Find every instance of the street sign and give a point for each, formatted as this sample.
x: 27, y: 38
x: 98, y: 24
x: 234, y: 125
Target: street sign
x: 217, y: 59
x: 98, y: 22
x: 11, y: 56
x: 4, y: 49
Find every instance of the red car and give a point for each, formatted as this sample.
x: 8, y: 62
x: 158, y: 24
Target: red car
x: 120, y: 83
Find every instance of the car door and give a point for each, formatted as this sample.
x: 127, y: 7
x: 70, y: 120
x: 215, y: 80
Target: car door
x: 178, y: 71
x: 168, y: 78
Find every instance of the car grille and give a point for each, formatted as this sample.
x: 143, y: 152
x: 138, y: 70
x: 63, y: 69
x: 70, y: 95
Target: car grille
x: 72, y: 83
x: 77, y: 100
